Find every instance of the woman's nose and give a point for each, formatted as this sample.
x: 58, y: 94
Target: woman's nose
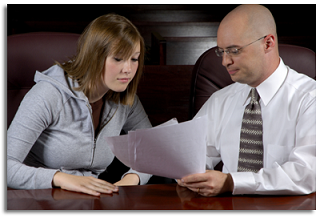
x: 127, y: 67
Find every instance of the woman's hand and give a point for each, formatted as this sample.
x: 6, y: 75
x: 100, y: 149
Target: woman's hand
x: 129, y: 179
x: 85, y: 184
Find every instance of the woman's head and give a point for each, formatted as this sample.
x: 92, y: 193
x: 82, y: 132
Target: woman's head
x: 108, y: 37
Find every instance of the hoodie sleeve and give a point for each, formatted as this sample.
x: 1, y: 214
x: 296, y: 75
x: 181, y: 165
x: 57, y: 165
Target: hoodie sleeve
x: 137, y: 119
x: 33, y: 116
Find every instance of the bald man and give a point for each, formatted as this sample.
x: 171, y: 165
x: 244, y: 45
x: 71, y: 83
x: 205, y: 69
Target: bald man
x: 247, y: 43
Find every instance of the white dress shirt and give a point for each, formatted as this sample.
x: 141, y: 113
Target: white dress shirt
x: 288, y: 107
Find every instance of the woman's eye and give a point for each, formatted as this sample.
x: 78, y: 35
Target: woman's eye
x: 135, y: 59
x: 118, y: 59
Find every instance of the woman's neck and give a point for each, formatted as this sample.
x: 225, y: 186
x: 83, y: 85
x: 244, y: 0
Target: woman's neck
x: 97, y: 94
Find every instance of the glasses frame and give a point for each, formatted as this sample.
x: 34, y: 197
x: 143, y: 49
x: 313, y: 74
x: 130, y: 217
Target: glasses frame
x: 235, y: 50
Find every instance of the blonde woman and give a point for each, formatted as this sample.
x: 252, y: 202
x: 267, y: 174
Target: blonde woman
x: 57, y: 136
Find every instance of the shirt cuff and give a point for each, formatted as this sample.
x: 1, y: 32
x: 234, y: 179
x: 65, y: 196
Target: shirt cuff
x: 244, y: 183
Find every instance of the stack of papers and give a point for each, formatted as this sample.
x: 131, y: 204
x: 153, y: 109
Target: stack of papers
x: 171, y: 150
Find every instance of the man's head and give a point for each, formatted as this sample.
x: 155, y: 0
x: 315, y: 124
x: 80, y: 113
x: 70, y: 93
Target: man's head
x: 250, y: 29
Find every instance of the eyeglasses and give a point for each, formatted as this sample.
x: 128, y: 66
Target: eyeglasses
x: 234, y: 51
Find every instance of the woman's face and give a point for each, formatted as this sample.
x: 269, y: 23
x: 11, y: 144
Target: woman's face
x: 118, y: 73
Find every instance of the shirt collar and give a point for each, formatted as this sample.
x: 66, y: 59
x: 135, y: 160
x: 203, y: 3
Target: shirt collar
x: 268, y: 88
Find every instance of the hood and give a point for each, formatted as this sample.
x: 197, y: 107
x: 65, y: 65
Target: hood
x: 56, y: 76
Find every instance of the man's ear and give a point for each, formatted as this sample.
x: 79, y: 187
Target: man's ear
x: 269, y: 43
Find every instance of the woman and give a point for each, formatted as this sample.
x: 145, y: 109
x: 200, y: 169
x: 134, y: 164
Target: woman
x: 57, y: 136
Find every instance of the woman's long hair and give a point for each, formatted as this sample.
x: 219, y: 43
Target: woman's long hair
x: 107, y: 35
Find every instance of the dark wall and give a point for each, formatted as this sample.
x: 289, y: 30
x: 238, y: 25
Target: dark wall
x: 296, y: 22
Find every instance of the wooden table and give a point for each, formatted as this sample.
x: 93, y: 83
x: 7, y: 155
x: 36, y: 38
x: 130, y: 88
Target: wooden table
x: 151, y: 197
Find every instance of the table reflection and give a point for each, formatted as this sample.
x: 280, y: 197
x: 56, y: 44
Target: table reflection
x: 193, y: 201
x: 151, y: 197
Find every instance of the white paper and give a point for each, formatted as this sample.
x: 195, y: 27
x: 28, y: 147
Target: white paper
x: 119, y: 146
x: 170, y: 150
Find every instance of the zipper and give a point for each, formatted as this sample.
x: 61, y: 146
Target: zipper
x: 93, y: 133
x: 103, y: 125
x: 93, y: 150
x: 95, y: 137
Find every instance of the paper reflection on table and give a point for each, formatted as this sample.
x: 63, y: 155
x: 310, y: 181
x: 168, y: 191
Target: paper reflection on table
x: 170, y: 150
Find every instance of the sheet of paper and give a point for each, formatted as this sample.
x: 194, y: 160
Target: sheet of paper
x: 171, y: 150
x: 120, y: 144
x: 119, y: 147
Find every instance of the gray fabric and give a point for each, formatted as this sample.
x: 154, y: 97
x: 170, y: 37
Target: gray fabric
x: 53, y: 131
x: 251, y: 146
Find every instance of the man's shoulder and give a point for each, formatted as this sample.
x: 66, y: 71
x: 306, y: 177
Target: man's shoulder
x: 226, y: 94
x: 230, y: 90
x: 300, y: 81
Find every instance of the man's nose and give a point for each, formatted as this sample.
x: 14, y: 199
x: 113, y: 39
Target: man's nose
x: 226, y: 59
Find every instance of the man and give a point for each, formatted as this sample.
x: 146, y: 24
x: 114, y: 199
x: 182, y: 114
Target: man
x: 280, y: 158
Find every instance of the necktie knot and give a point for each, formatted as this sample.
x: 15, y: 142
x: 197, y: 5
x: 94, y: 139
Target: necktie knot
x: 254, y: 95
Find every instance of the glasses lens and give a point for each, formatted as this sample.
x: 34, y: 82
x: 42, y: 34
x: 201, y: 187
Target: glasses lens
x: 234, y: 51
x: 219, y: 52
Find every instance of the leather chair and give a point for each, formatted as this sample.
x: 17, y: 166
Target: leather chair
x: 29, y: 52
x: 209, y: 75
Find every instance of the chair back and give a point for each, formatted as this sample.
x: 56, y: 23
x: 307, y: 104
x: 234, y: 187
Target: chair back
x: 29, y: 52
x: 209, y: 75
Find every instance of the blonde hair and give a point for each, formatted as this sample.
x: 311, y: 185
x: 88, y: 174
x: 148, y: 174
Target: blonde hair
x: 109, y: 34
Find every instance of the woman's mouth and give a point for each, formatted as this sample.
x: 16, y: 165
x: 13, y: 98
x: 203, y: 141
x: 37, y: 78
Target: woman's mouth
x: 124, y: 80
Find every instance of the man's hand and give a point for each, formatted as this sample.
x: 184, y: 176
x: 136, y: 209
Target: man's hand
x: 85, y: 184
x: 210, y: 183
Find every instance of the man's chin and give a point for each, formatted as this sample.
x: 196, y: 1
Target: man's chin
x: 236, y: 78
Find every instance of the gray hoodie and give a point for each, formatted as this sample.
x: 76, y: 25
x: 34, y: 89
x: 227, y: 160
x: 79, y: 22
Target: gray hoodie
x: 53, y: 131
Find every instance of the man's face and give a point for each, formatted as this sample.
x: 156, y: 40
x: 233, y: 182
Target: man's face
x: 246, y: 66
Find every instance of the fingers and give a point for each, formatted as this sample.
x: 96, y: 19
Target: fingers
x: 197, y: 183
x: 195, y: 178
x: 192, y: 183
x: 200, y: 188
x: 96, y: 186
x: 180, y: 183
x: 88, y: 185
x: 210, y: 183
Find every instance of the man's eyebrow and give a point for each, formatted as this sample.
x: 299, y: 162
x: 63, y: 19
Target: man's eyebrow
x: 233, y: 46
x: 230, y: 46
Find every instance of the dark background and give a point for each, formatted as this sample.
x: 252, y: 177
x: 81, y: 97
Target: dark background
x: 296, y: 23
x: 189, y: 30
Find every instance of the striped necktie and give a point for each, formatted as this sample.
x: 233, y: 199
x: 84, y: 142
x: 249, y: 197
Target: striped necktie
x: 251, y: 146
